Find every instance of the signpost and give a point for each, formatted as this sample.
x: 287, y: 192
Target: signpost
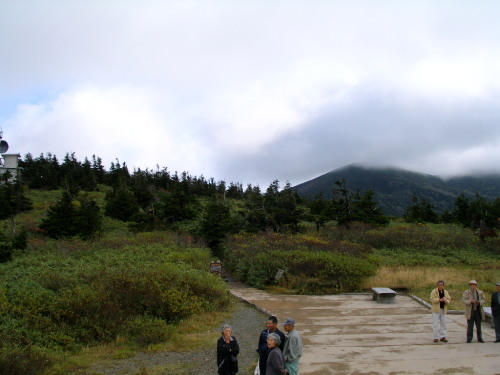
x: 216, y: 267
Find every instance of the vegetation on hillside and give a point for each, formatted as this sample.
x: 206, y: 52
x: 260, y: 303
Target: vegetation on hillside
x: 68, y: 294
x: 92, y: 256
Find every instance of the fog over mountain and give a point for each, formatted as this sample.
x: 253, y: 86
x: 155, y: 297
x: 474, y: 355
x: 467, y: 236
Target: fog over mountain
x: 394, y: 187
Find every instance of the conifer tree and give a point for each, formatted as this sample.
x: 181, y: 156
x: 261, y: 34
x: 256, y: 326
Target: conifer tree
x: 121, y: 204
x: 61, y: 219
x: 12, y: 199
x: 215, y: 224
x: 420, y: 211
x: 320, y: 211
x: 71, y: 217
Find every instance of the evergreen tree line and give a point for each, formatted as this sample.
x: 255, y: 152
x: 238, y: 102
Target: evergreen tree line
x: 158, y: 199
x: 472, y: 212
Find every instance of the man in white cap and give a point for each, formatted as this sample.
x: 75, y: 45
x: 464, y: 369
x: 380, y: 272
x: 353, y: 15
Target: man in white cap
x: 495, y: 310
x: 474, y: 313
x: 293, y: 347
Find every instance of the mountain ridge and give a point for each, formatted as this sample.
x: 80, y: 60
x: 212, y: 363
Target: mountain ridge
x: 394, y: 187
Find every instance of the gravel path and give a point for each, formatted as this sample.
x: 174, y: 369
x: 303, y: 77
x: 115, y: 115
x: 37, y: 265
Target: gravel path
x: 247, y: 323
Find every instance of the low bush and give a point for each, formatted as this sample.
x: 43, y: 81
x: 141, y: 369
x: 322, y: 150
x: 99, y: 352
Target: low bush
x: 24, y: 360
x: 146, y: 330
x: 337, y: 267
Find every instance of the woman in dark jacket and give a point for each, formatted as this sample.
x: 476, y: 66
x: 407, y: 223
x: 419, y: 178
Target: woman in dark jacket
x: 227, y: 351
x: 275, y: 361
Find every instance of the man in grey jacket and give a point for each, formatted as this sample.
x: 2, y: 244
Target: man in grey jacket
x: 474, y: 313
x: 293, y: 347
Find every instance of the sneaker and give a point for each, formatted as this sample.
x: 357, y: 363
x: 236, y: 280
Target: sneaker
x: 443, y: 339
x: 480, y: 340
x: 436, y: 340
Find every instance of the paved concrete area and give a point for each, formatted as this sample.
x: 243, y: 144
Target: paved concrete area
x: 351, y: 334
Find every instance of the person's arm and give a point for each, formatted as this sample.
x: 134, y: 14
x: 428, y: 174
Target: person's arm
x: 447, y: 297
x: 434, y: 297
x: 235, y: 348
x: 293, y: 352
x: 466, y: 298
x: 295, y: 348
x: 223, y: 347
x: 259, y: 344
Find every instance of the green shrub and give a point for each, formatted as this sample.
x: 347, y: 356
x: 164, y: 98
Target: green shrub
x: 87, y: 294
x: 311, y: 264
x: 23, y: 361
x: 145, y: 330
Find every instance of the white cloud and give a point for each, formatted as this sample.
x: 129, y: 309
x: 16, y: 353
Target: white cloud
x: 127, y: 123
x: 279, y: 87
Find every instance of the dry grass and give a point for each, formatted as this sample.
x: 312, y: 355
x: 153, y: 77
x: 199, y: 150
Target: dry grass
x: 196, y: 332
x: 422, y: 279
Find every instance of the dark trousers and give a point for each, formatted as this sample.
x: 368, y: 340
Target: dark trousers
x: 496, y: 322
x: 475, y: 319
x: 263, y: 364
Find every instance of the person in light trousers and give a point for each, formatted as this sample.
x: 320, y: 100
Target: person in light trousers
x: 440, y: 298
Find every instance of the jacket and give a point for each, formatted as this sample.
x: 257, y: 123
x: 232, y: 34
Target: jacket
x: 225, y: 364
x: 467, y: 297
x: 435, y: 305
x: 293, y: 347
x: 262, y: 345
x: 495, y: 304
x: 275, y: 362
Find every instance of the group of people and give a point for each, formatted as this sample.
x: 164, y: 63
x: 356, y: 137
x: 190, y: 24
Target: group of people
x: 278, y: 354
x: 473, y: 300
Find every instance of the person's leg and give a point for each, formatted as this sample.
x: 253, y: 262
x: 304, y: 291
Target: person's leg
x: 435, y: 325
x: 470, y: 329
x: 442, y: 321
x: 292, y: 367
x: 476, y: 316
x: 496, y: 322
x: 262, y: 364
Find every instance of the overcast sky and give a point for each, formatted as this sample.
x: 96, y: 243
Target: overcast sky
x: 253, y: 91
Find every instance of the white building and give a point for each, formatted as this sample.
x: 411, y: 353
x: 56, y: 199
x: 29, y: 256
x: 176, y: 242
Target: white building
x: 11, y: 164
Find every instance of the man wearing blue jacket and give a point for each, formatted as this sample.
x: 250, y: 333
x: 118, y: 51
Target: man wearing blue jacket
x: 262, y: 349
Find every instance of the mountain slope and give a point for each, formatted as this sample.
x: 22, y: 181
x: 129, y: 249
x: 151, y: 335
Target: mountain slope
x: 395, y: 187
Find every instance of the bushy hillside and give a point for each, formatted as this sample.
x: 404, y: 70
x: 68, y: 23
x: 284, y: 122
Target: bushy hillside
x: 60, y: 296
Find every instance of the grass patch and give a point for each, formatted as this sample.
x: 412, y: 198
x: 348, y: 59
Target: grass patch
x: 179, y: 368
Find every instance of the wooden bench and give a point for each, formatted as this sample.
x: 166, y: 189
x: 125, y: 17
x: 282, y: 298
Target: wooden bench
x: 489, y: 316
x: 384, y: 295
